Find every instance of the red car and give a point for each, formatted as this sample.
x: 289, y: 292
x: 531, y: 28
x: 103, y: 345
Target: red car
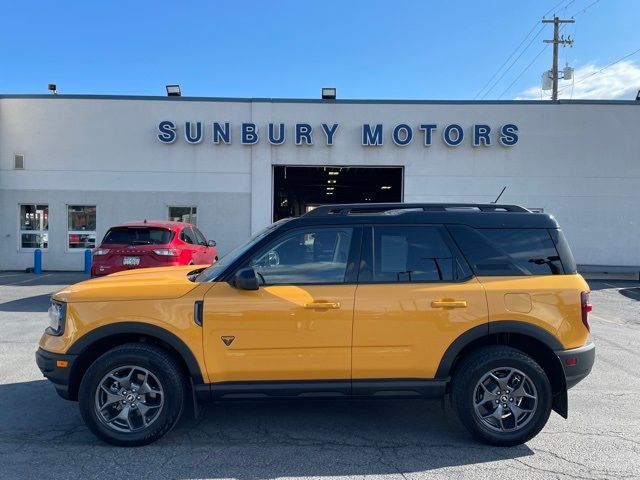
x: 152, y: 244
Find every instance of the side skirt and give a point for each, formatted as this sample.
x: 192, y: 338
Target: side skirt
x: 369, y: 388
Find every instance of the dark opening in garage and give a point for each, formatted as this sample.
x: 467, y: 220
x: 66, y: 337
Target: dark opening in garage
x: 297, y: 190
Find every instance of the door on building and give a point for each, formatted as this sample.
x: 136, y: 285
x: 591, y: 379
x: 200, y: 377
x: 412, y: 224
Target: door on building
x: 296, y: 190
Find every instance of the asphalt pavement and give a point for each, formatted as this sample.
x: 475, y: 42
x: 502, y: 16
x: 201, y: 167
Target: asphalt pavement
x: 43, y: 436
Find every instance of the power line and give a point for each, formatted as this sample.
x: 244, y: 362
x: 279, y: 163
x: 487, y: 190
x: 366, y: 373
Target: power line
x: 513, y: 63
x: 516, y: 50
x: 523, y: 71
x: 603, y: 69
x: 507, y: 60
x: 580, y: 12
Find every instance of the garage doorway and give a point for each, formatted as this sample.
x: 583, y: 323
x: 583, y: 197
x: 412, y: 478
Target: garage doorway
x: 296, y: 190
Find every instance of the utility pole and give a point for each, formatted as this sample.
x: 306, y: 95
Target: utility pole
x: 557, y: 40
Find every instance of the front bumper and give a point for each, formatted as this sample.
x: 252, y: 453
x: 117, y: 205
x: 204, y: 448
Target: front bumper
x: 51, y: 366
x: 577, y: 363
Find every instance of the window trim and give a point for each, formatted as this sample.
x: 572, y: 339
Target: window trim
x: 193, y: 208
x: 20, y: 231
x: 353, y: 260
x: 368, y: 254
x: 69, y: 232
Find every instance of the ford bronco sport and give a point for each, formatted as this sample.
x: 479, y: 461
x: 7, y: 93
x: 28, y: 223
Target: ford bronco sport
x: 478, y: 302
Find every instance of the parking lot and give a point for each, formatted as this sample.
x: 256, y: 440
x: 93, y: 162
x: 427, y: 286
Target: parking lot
x: 42, y: 436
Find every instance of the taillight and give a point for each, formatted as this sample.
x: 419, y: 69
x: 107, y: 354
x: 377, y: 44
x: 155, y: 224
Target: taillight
x: 101, y: 251
x: 167, y: 252
x: 586, y: 308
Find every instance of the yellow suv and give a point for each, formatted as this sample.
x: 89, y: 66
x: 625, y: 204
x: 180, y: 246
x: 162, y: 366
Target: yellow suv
x: 478, y: 302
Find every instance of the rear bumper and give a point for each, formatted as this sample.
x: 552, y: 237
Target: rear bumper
x: 59, y: 375
x: 577, y: 363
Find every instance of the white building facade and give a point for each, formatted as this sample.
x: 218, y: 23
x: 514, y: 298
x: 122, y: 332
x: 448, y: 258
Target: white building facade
x: 71, y: 166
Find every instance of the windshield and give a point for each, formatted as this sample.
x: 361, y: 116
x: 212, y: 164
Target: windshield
x: 137, y: 236
x: 212, y: 273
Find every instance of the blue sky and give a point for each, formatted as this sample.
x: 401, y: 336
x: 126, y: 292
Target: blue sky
x: 367, y: 49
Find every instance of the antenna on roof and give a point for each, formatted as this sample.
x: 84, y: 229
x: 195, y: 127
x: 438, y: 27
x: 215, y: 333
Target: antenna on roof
x: 498, y: 198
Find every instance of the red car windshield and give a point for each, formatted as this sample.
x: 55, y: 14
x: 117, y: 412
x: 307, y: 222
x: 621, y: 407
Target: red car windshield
x: 138, y: 236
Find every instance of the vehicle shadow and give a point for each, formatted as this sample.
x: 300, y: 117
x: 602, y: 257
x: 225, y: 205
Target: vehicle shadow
x: 37, y: 303
x: 246, y: 440
x: 632, y: 293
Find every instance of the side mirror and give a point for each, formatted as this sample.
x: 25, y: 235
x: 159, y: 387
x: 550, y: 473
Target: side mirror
x: 246, y: 279
x: 211, y: 243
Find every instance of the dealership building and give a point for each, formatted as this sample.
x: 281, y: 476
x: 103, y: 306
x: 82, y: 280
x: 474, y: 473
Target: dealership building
x: 73, y: 165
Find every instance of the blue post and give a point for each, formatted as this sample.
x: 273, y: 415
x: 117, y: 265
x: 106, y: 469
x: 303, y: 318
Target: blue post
x: 87, y: 261
x: 37, y: 261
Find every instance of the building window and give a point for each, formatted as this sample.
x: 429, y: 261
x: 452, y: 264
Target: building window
x: 81, y: 226
x: 183, y: 214
x: 34, y: 226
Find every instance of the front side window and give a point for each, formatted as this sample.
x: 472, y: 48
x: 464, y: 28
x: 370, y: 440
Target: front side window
x: 81, y: 226
x: 183, y: 214
x: 187, y: 236
x: 199, y: 237
x: 315, y: 255
x: 411, y: 254
x: 34, y: 226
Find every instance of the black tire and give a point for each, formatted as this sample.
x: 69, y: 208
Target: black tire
x: 160, y: 365
x: 467, y: 392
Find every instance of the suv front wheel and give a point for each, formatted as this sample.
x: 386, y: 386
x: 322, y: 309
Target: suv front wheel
x: 132, y: 395
x: 501, y: 395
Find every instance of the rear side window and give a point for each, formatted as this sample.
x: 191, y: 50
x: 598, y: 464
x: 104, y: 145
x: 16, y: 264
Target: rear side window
x: 411, y: 254
x: 137, y: 236
x: 508, y: 251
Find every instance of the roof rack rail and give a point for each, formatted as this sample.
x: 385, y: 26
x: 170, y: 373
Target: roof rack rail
x: 368, y: 208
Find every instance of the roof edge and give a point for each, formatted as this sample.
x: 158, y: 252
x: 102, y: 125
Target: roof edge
x: 315, y: 100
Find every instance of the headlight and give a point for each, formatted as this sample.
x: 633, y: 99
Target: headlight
x: 57, y: 316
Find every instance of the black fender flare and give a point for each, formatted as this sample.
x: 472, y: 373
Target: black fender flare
x: 490, y: 328
x: 83, y: 343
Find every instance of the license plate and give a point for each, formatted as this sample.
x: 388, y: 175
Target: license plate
x: 131, y: 261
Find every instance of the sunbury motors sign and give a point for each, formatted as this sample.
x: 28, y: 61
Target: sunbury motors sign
x: 371, y: 134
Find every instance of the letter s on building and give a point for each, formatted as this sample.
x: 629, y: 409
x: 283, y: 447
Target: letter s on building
x: 167, y: 131
x: 509, y: 135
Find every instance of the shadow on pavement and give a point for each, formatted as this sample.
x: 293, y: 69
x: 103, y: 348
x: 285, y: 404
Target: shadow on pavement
x: 632, y: 293
x: 246, y: 440
x: 38, y: 303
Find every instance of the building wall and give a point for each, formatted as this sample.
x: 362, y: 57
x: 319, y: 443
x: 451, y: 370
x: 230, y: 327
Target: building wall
x: 577, y: 160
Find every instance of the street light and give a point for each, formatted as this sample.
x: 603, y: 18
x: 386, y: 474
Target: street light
x: 173, y: 91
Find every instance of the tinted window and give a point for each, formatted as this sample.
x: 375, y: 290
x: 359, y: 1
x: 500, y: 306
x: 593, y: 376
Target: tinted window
x: 507, y: 251
x: 187, y: 236
x: 411, y: 254
x: 137, y: 236
x: 199, y: 236
x: 313, y: 255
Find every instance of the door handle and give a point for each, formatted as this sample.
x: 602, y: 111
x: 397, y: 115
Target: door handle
x: 449, y: 304
x: 322, y: 305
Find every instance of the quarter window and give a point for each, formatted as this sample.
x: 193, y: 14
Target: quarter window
x: 411, y: 254
x: 34, y: 226
x: 183, y: 214
x: 309, y: 256
x: 81, y: 226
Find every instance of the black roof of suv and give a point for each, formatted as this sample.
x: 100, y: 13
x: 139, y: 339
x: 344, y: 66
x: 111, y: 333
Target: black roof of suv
x: 471, y: 214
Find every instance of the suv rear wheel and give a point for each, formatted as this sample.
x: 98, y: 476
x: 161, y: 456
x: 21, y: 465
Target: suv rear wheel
x: 501, y: 395
x: 132, y: 395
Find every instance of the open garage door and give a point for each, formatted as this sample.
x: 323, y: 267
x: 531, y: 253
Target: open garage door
x: 297, y: 190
